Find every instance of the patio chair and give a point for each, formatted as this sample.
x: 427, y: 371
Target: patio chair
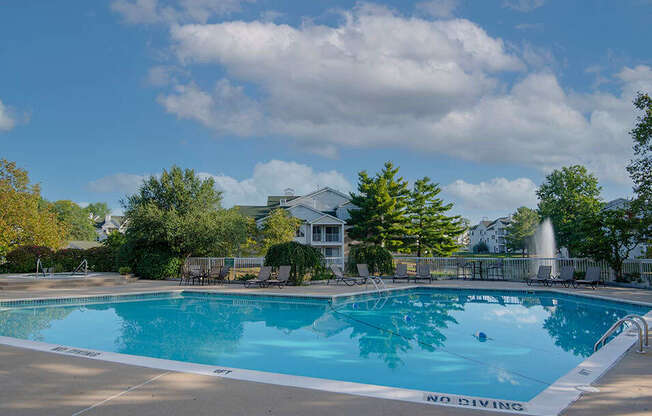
x: 214, y: 274
x: 339, y: 277
x: 185, y: 275
x: 592, y: 278
x: 464, y: 269
x: 261, y: 280
x: 496, y: 270
x: 282, y: 278
x: 401, y: 273
x: 423, y: 272
x: 564, y: 278
x: 224, y: 274
x: 542, y: 277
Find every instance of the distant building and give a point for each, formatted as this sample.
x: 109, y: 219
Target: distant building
x: 492, y: 233
x: 323, y: 214
x: 622, y: 203
x: 110, y: 224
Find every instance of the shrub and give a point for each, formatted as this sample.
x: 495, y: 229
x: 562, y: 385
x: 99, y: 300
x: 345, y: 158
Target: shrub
x: 124, y: 270
x: 157, y: 264
x: 378, y: 259
x: 481, y: 247
x: 68, y: 258
x: 58, y: 268
x: 102, y: 259
x: 23, y: 259
x: 247, y: 276
x: 300, y: 257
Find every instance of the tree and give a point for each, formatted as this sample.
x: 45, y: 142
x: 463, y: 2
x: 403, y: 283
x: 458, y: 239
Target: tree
x: 613, y: 234
x: 279, y: 227
x: 640, y: 169
x: 178, y: 214
x: 381, y: 214
x: 97, y: 211
x: 80, y: 226
x: 568, y: 197
x: 521, y: 230
x: 431, y: 231
x: 24, y: 219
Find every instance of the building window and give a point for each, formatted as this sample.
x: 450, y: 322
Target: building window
x: 332, y: 252
x: 300, y: 232
x: 332, y: 233
x: 316, y: 233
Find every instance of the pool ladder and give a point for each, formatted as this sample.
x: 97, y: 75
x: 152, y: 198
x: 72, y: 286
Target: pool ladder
x: 636, y: 320
x: 378, y: 283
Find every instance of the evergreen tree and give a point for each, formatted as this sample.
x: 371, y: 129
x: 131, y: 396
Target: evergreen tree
x: 381, y: 214
x: 431, y: 231
x: 521, y: 230
x: 640, y: 168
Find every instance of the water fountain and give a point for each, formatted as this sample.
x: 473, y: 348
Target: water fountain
x: 545, y: 246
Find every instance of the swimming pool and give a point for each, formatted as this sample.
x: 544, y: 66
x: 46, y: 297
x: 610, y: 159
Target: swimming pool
x: 508, y: 345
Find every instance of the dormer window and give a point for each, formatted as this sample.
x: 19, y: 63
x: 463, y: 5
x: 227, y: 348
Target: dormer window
x: 283, y: 202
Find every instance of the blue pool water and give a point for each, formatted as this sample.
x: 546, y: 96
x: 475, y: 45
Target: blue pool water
x: 418, y: 339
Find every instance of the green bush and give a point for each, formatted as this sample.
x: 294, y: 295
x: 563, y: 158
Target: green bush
x: 23, y: 259
x: 157, y: 264
x: 68, y: 258
x: 378, y: 259
x: 58, y: 268
x: 102, y: 259
x: 301, y: 258
x: 481, y: 247
x: 247, y: 276
x: 124, y: 270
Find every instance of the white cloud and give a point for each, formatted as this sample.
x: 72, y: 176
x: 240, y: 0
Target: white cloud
x: 174, y: 11
x: 269, y: 178
x: 499, y: 194
x: 438, y: 8
x: 523, y: 5
x: 380, y: 79
x: 7, y: 122
x: 126, y: 183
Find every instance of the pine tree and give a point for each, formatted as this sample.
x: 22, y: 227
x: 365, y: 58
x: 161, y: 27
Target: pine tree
x: 380, y: 216
x: 431, y: 231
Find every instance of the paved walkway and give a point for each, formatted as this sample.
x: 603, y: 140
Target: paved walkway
x: 38, y: 383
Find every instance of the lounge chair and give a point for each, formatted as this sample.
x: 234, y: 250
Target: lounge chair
x: 339, y: 277
x: 261, y: 280
x: 282, y: 278
x: 423, y: 272
x: 401, y: 273
x: 592, y: 278
x: 565, y: 277
x: 185, y: 275
x: 542, y: 277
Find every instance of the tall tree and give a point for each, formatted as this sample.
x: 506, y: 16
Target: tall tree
x: 568, y: 197
x: 80, y: 226
x: 521, y: 230
x: 279, y: 227
x: 381, y: 214
x: 24, y: 219
x: 177, y: 213
x: 640, y: 168
x: 97, y: 211
x: 431, y: 231
x: 613, y: 234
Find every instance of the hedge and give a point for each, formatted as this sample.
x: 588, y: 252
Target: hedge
x: 23, y: 259
x: 300, y: 257
x: 378, y: 259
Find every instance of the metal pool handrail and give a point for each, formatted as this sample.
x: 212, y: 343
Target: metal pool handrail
x: 634, y: 319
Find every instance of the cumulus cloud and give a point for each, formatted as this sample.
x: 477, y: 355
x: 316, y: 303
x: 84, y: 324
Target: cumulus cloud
x: 498, y: 194
x: 523, y: 5
x: 7, y: 122
x: 125, y: 183
x: 438, y: 8
x: 268, y: 178
x: 174, y: 11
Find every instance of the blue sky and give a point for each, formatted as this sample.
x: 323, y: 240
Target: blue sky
x: 484, y: 97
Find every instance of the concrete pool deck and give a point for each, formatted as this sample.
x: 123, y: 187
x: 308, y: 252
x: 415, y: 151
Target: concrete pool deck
x: 39, y: 383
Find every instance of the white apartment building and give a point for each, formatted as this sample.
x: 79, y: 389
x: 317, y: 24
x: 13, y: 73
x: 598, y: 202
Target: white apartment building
x: 491, y: 233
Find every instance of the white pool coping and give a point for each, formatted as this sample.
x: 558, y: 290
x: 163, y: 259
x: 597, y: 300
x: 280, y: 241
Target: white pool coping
x: 551, y: 401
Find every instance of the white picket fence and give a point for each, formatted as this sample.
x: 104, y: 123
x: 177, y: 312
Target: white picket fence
x: 454, y: 267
